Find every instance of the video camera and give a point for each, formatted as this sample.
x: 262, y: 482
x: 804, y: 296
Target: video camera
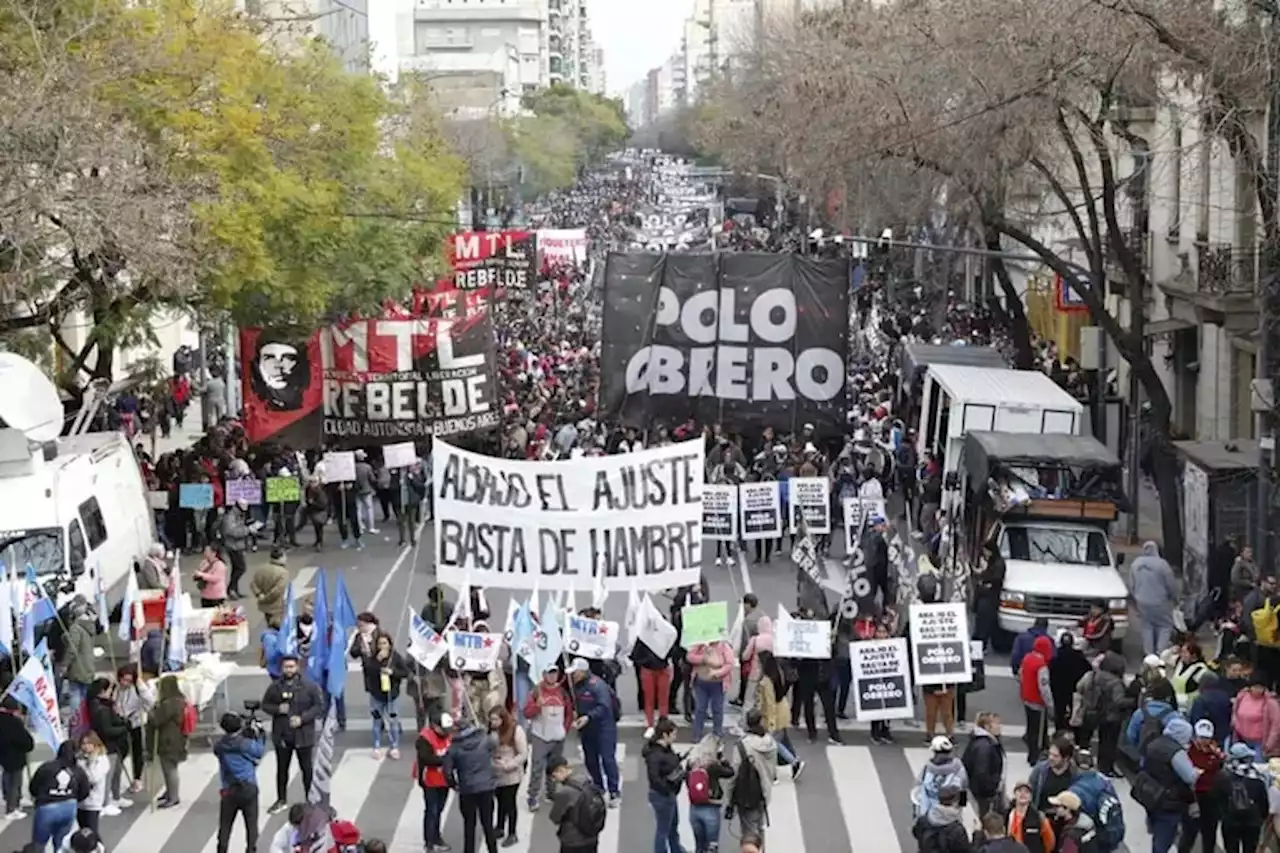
x: 250, y: 723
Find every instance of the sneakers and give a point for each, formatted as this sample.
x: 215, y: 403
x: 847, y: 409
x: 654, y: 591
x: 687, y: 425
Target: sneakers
x: 16, y: 814
x: 615, y: 800
x: 135, y: 786
x: 834, y: 739
x: 377, y: 754
x: 277, y: 807
x: 797, y: 769
x: 510, y: 841
x: 111, y: 810
x: 123, y: 802
x: 394, y: 754
x: 719, y: 562
x: 533, y: 804
x: 166, y: 803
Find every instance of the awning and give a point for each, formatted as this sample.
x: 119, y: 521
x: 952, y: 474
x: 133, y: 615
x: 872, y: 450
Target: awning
x: 1164, y: 327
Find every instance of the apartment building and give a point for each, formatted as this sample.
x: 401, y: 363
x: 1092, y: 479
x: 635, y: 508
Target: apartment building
x: 344, y: 24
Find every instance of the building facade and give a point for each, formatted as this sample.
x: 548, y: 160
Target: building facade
x: 344, y: 24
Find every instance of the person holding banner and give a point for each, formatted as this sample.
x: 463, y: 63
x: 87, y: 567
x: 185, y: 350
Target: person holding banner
x: 713, y: 665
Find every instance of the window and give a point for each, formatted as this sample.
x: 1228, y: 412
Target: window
x: 75, y: 547
x: 1175, y: 168
x: 94, y: 524
x: 1055, y: 545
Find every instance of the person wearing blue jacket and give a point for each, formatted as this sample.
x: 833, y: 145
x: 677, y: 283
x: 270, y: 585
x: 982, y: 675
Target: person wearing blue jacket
x: 272, y: 654
x: 1213, y: 703
x: 238, y: 752
x: 1023, y: 643
x: 1159, y: 703
x: 597, y: 727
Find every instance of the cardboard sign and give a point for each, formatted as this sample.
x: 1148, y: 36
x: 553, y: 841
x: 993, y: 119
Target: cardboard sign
x: 471, y: 652
x: 704, y: 623
x: 761, y: 508
x: 195, y: 495
x: 283, y: 490
x: 247, y: 490
x: 591, y: 638
x: 810, y: 499
x: 401, y: 455
x: 158, y: 500
x: 720, y: 513
x: 881, y: 689
x: 801, y: 638
x: 339, y: 466
x: 940, y: 643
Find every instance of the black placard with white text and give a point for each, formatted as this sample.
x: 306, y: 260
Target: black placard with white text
x: 810, y: 498
x: 720, y: 512
x: 760, y: 505
x: 940, y: 643
x: 881, y: 687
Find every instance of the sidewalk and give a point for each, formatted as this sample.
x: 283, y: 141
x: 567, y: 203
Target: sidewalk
x: 178, y: 439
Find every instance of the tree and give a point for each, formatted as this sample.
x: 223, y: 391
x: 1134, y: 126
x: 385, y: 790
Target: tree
x: 566, y: 130
x: 171, y: 154
x: 1024, y: 111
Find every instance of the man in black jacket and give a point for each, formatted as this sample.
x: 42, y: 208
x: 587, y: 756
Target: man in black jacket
x: 941, y: 829
x: 294, y: 704
x: 113, y: 730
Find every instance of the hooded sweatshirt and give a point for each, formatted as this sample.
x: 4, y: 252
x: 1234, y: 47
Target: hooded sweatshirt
x: 761, y: 642
x: 1256, y: 720
x: 945, y: 822
x: 761, y: 751
x: 1180, y: 731
x: 59, y: 779
x: 1153, y: 587
x: 1036, y: 690
x: 944, y: 770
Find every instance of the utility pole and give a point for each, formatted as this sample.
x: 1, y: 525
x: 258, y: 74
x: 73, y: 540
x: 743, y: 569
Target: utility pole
x: 1139, y: 198
x: 1268, y: 357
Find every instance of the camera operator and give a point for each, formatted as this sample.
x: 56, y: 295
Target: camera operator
x: 294, y: 703
x: 239, y: 750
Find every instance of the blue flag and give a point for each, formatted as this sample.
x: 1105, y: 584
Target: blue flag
x: 36, y: 610
x: 318, y: 661
x: 344, y: 622
x: 289, y: 624
x: 547, y: 642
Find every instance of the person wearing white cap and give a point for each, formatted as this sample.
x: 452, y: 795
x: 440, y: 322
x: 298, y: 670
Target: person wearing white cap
x: 549, y: 710
x: 597, y: 725
x: 943, y: 770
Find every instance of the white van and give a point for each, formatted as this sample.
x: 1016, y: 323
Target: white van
x: 73, y: 508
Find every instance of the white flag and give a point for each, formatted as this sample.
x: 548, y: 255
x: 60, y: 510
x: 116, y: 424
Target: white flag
x: 131, y: 618
x: 425, y: 645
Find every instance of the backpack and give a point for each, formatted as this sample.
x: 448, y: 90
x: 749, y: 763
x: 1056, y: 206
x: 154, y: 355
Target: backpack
x: 190, y: 718
x: 590, y: 811
x: 699, y: 783
x: 616, y: 704
x: 748, y: 789
x: 1240, y: 808
x: 1266, y: 623
x: 1151, y: 728
x: 1108, y: 818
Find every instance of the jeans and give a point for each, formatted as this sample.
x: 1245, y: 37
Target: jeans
x: 666, y: 823
x: 434, y: 800
x: 1240, y: 839
x: 708, y: 699
x: 364, y: 512
x: 341, y: 710
x: 11, y: 784
x: 53, y: 822
x: 169, y: 772
x: 239, y: 799
x: 600, y: 749
x: 786, y: 755
x: 705, y: 821
x: 540, y: 752
x: 1155, y: 638
x: 385, y: 719
x: 841, y: 682
x: 1163, y: 827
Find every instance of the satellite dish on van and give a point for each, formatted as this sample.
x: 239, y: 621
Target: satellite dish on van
x: 28, y: 399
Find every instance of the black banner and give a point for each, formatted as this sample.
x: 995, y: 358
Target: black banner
x: 748, y: 340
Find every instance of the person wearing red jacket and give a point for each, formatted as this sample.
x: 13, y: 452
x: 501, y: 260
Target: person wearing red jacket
x: 1037, y: 696
x: 549, y: 710
x: 428, y: 769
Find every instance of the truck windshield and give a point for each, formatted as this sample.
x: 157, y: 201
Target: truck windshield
x: 41, y: 547
x: 1055, y: 545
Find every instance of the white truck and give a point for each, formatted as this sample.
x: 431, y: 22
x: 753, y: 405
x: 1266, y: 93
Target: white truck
x: 73, y: 507
x: 1048, y: 502
x: 958, y: 399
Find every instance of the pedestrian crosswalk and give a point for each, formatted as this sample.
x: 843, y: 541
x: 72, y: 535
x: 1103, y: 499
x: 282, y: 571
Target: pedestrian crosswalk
x: 852, y: 797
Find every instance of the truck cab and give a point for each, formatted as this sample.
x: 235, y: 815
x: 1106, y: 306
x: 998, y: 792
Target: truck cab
x: 1047, y: 502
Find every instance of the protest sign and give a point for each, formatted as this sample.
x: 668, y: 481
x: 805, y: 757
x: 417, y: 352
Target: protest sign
x: 33, y: 688
x: 635, y: 518
x: 857, y: 512
x: 704, y: 623
x: 591, y: 638
x: 158, y: 500
x: 810, y: 498
x: 339, y: 466
x: 940, y: 643
x: 401, y: 455
x: 195, y: 495
x: 880, y: 687
x: 247, y: 490
x: 720, y: 513
x: 654, y: 629
x: 801, y: 638
x: 805, y: 556
x: 426, y: 646
x: 471, y: 652
x: 283, y: 490
x: 761, y: 507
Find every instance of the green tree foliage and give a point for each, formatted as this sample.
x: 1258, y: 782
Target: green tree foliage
x: 179, y: 153
x: 566, y: 130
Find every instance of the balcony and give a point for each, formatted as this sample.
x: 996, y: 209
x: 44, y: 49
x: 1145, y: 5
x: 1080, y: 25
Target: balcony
x: 1221, y: 284
x: 1226, y: 270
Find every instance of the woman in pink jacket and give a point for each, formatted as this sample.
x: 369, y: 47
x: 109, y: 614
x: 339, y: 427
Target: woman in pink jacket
x: 713, y: 665
x: 211, y: 578
x: 1255, y: 720
x: 761, y: 642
